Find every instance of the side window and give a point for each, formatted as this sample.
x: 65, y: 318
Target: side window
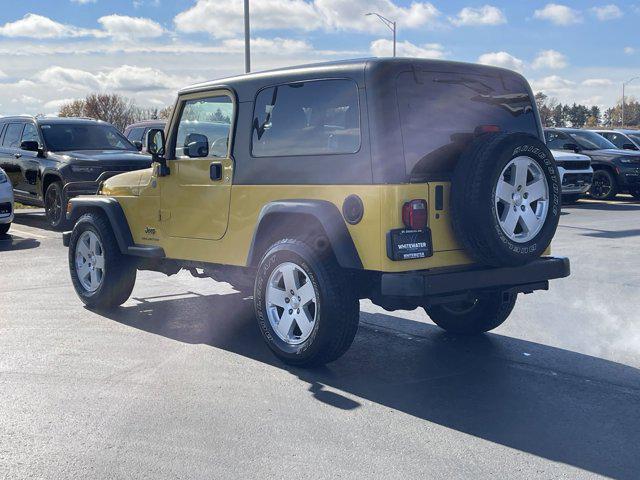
x: 3, y: 127
x: 556, y: 140
x: 617, y: 139
x: 30, y: 133
x: 203, y: 130
x: 135, y: 134
x: 307, y: 118
x: 13, y: 135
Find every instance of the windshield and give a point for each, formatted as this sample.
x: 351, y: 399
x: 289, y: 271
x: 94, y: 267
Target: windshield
x: 591, y: 140
x: 61, y: 137
x: 635, y: 137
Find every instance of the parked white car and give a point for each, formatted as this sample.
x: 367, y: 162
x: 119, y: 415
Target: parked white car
x: 576, y: 174
x: 6, y: 203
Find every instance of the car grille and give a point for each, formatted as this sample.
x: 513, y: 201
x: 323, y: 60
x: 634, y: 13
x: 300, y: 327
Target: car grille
x: 579, y: 165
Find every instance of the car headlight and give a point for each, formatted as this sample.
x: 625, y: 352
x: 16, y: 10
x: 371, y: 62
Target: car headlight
x: 3, y: 177
x: 84, y: 169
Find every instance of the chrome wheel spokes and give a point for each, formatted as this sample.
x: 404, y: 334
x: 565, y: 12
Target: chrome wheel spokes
x: 291, y: 303
x: 90, y: 261
x: 521, y: 199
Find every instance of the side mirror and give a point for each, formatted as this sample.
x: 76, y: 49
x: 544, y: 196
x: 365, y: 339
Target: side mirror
x: 629, y: 146
x: 196, y: 145
x: 138, y: 145
x: 571, y: 146
x: 30, y: 146
x: 156, y: 147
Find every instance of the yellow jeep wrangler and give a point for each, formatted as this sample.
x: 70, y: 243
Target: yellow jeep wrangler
x: 408, y: 182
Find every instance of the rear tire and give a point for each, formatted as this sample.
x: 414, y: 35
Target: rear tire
x: 487, y: 311
x: 312, y: 322
x: 635, y: 193
x: 4, y: 228
x: 604, y: 185
x: 55, y: 206
x: 94, y: 255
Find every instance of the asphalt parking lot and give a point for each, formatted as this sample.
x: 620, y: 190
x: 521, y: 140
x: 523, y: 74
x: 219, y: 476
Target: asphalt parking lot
x: 178, y: 383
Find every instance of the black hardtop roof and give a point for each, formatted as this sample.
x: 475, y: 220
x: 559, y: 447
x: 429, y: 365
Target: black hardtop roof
x: 356, y: 69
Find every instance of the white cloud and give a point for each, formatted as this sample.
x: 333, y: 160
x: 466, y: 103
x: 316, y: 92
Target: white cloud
x: 53, y: 106
x: 384, y: 48
x: 3, y: 75
x: 276, y: 46
x: 553, y: 83
x: 83, y: 2
x: 607, y: 12
x: 629, y: 50
x: 550, y: 59
x: 502, y: 59
x: 124, y: 27
x: 558, y: 14
x: 597, y: 82
x: 37, y: 26
x: 485, y: 15
x: 223, y: 18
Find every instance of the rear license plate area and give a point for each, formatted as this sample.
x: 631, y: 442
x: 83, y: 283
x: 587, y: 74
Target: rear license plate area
x: 403, y: 244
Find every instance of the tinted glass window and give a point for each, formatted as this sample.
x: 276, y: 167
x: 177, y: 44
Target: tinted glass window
x: 441, y: 113
x: 590, y: 140
x: 30, y: 134
x: 635, y: 137
x: 307, y: 118
x: 60, y: 137
x: 135, y: 135
x: 204, y: 128
x: 618, y: 139
x: 13, y: 135
x: 556, y: 140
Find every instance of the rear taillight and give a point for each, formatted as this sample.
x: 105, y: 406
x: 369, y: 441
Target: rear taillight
x: 414, y: 214
x: 482, y: 129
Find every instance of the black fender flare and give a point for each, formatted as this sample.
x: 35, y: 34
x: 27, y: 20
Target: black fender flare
x: 327, y: 215
x: 111, y: 209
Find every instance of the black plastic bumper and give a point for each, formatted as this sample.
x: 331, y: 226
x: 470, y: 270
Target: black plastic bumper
x: 526, y: 278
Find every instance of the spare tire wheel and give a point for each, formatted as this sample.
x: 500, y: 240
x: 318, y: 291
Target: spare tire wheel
x: 505, y: 199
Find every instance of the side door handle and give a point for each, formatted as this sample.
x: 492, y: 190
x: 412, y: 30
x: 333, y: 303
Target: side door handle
x: 17, y: 155
x: 215, y: 171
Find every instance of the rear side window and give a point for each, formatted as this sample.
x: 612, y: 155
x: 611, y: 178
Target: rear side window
x: 441, y: 114
x: 307, y: 118
x: 30, y: 134
x: 556, y: 140
x: 135, y: 135
x: 13, y: 135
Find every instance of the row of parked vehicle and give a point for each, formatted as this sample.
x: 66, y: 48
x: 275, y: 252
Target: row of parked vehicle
x: 81, y: 153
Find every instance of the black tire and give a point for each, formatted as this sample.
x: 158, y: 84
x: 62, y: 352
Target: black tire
x: 473, y: 207
x: 119, y: 275
x: 488, y: 311
x: 336, y: 312
x: 4, y: 228
x: 604, y: 185
x: 571, y: 199
x: 55, y: 206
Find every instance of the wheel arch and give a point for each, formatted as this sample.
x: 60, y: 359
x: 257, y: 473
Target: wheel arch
x: 282, y: 219
x: 48, y: 178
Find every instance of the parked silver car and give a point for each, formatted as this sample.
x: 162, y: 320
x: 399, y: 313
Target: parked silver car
x: 6, y: 203
x: 576, y: 174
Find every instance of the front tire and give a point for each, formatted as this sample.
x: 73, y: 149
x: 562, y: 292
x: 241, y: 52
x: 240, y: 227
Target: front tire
x: 488, y: 310
x: 55, y: 206
x: 306, y: 310
x: 102, y: 277
x: 604, y: 186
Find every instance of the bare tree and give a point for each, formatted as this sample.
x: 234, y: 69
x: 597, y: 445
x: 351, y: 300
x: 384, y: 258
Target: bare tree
x: 110, y: 107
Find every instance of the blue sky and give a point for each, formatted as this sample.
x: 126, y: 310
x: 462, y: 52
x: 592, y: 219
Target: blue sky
x: 55, y: 50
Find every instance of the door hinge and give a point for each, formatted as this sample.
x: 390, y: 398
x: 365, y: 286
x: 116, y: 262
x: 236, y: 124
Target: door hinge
x: 164, y: 215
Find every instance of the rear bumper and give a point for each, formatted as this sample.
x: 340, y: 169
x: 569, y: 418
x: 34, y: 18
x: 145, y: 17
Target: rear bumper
x: 526, y: 278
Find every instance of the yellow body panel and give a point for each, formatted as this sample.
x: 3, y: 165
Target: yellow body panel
x: 151, y: 218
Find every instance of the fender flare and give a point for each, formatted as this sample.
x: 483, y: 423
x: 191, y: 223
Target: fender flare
x: 112, y: 210
x: 329, y: 218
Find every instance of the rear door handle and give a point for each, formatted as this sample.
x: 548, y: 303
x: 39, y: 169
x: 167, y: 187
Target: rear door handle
x: 17, y: 155
x: 215, y: 171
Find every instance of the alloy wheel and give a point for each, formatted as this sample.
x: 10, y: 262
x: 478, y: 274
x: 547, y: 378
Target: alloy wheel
x: 90, y: 261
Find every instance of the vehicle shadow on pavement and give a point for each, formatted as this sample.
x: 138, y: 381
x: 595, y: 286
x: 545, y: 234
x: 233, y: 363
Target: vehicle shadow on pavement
x: 557, y: 404
x: 615, y: 207
x: 35, y: 218
x: 13, y: 242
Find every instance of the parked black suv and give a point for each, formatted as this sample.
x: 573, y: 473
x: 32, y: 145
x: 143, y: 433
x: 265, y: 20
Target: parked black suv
x: 50, y: 160
x: 614, y: 170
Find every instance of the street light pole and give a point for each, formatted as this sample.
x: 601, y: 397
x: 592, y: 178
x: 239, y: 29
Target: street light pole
x: 247, y: 36
x: 390, y: 25
x: 624, y: 84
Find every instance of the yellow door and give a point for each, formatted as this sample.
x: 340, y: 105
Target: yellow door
x: 195, y: 195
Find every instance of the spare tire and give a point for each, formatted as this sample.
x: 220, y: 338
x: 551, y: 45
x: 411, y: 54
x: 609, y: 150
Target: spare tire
x: 505, y: 199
